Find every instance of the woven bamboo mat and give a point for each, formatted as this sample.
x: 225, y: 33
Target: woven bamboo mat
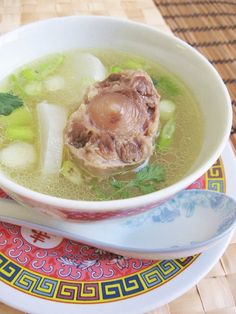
x: 210, y: 27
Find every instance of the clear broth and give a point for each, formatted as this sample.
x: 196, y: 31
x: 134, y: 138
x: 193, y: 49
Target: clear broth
x: 177, y: 160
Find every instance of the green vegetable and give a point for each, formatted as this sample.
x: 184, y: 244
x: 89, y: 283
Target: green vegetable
x: 8, y: 103
x: 28, y: 74
x: 71, y: 172
x: 50, y: 65
x: 100, y: 193
x: 167, y: 87
x: 128, y: 64
x: 116, y: 69
x: 23, y: 133
x: 145, y: 181
x: 19, y: 117
x: 16, y: 86
x: 20, y: 80
x: 133, y: 65
x: 18, y: 125
x: 28, y: 81
x: 167, y: 134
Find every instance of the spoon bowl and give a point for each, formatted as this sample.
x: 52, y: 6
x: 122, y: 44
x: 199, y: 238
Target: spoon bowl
x: 188, y: 224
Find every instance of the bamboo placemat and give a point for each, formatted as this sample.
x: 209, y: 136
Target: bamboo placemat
x: 216, y: 293
x: 210, y: 27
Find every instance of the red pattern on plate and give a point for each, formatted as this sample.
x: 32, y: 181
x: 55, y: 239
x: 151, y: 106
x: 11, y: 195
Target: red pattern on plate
x: 69, y: 260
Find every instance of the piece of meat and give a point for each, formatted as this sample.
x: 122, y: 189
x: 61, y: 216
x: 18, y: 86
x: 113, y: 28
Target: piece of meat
x: 115, y: 126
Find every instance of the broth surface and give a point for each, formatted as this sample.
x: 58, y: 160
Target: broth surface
x: 177, y: 160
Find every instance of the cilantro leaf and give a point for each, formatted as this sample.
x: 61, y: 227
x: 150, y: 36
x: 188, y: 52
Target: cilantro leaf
x: 145, y: 189
x: 98, y: 191
x: 8, y: 103
x: 124, y: 194
x: 144, y: 181
x: 116, y: 184
x: 150, y: 173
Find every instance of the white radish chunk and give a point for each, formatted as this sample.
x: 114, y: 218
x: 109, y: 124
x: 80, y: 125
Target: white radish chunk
x: 18, y: 155
x: 88, y: 67
x: 52, y: 121
x: 167, y: 109
x: 54, y: 83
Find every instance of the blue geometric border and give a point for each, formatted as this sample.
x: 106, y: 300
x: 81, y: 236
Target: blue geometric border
x: 41, y: 286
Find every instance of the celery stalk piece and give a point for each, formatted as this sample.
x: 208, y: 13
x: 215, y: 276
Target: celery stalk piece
x: 127, y: 65
x: 167, y: 87
x: 20, y: 133
x: 50, y: 66
x: 16, y: 86
x: 167, y: 134
x: 28, y: 81
x: 28, y: 74
x: 116, y: 69
x: 19, y: 117
x: 52, y: 121
x: 132, y: 65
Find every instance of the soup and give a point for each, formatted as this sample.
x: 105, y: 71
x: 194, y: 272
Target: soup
x: 39, y: 99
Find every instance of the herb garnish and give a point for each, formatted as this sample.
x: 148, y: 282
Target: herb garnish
x: 144, y: 181
x: 9, y: 103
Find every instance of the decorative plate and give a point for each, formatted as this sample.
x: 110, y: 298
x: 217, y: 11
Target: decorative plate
x: 50, y: 274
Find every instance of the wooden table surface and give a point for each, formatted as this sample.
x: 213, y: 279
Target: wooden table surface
x: 216, y: 293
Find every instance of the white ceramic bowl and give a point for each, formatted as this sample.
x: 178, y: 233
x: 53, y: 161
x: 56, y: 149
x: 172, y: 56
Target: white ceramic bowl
x: 41, y: 38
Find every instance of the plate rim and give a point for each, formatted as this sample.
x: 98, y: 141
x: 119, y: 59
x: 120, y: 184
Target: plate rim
x: 146, y: 301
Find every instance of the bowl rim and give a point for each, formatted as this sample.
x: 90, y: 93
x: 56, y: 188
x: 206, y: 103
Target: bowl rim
x: 143, y: 200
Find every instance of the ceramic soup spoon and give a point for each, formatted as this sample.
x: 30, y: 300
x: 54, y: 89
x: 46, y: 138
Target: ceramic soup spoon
x: 189, y: 223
